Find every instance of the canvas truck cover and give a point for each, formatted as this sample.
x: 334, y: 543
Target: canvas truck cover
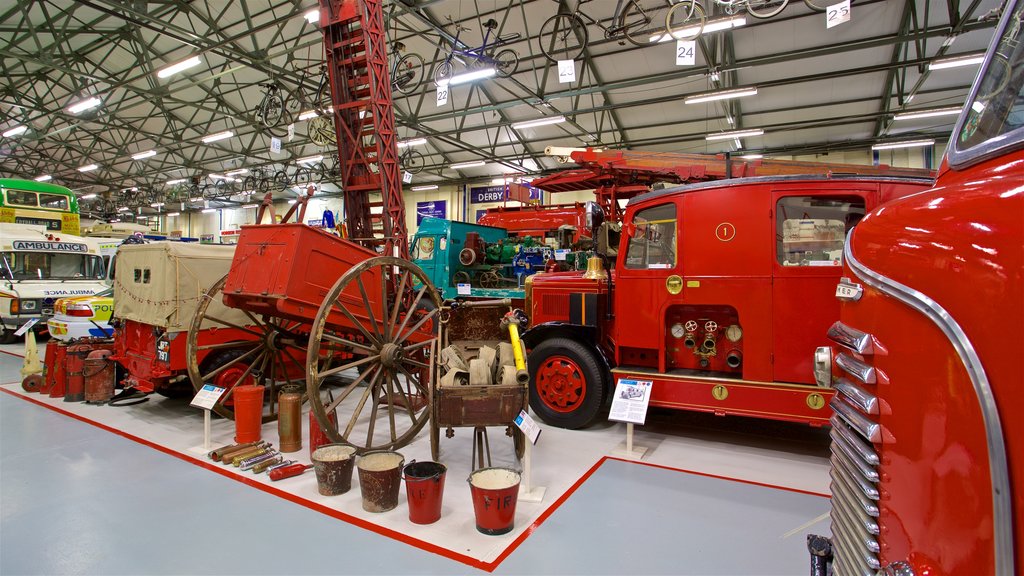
x: 161, y: 283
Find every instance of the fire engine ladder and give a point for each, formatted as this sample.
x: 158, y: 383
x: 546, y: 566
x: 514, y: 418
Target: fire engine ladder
x: 364, y: 123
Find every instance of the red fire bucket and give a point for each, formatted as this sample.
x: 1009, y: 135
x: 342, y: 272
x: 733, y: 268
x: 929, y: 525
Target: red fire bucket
x: 495, y: 492
x: 424, y: 487
x: 248, y: 413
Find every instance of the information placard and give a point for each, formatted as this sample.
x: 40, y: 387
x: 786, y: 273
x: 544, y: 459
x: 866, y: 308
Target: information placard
x: 207, y: 397
x: 528, y: 425
x: 442, y: 95
x: 275, y: 145
x: 837, y: 14
x: 464, y: 289
x: 686, y: 52
x: 566, y: 71
x: 629, y: 404
x: 25, y: 327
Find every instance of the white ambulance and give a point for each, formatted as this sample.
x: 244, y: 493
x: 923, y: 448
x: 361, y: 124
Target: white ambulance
x: 38, y: 268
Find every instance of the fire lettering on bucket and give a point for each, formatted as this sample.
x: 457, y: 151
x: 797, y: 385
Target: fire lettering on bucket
x: 505, y: 502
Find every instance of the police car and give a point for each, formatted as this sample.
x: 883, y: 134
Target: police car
x: 82, y: 317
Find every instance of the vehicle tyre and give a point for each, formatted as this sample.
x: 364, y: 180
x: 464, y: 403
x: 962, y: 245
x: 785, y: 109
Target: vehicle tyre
x: 685, y: 20
x: 237, y: 373
x: 7, y: 336
x: 180, y: 389
x: 643, y: 21
x: 506, y: 61
x: 764, y: 9
x: 409, y: 74
x: 563, y: 37
x: 568, y: 383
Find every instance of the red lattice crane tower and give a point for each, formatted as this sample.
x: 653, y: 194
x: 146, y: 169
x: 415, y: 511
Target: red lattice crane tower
x: 364, y: 122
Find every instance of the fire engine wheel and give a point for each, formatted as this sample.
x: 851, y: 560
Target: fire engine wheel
x: 7, y: 336
x: 567, y: 383
x: 264, y: 351
x: 375, y: 331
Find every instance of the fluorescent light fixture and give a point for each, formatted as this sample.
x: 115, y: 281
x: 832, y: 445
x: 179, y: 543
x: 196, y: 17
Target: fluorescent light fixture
x: 734, y: 134
x: 472, y: 164
x: 88, y: 197
x: 412, y: 142
x: 209, y: 210
x: 144, y: 155
x: 178, y: 181
x: 250, y: 206
x: 115, y: 220
x: 752, y: 156
x: 312, y: 16
x: 88, y: 168
x: 424, y: 187
x: 157, y: 204
x: 44, y: 178
x: 308, y: 114
x: 722, y: 95
x: 124, y: 209
x: 292, y: 201
x: 218, y: 136
x: 709, y: 26
x: 84, y: 105
x: 223, y: 177
x: 15, y: 131
x: 169, y: 214
x: 469, y: 76
x: 310, y: 159
x: 956, y: 61
x: 927, y: 113
x: 237, y: 172
x: 538, y: 122
x: 905, y: 144
x: 196, y: 199
x: 175, y: 68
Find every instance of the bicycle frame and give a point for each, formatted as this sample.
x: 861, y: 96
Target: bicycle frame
x: 612, y: 29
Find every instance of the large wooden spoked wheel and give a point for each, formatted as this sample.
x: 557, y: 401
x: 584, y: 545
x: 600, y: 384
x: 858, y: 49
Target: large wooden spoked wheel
x: 260, y: 350
x: 373, y: 339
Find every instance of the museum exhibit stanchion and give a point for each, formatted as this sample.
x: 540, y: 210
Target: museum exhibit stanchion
x: 629, y: 404
x: 205, y: 400
x: 527, y: 491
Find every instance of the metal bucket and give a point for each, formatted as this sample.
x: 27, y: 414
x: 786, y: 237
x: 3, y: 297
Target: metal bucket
x: 99, y: 377
x: 333, y: 466
x: 495, y: 492
x: 424, y: 488
x: 380, y: 477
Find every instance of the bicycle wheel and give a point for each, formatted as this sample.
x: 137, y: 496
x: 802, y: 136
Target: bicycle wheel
x: 408, y: 73
x: 271, y: 110
x: 643, y: 21
x: 685, y: 20
x: 281, y: 179
x: 765, y: 8
x: 506, y: 61
x: 819, y: 5
x: 443, y: 72
x: 412, y: 162
x: 563, y: 37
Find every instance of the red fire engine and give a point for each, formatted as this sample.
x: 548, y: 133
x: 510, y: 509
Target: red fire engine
x: 926, y: 354
x: 719, y: 295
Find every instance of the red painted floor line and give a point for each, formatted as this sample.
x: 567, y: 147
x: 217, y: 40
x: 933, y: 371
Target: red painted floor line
x: 12, y: 354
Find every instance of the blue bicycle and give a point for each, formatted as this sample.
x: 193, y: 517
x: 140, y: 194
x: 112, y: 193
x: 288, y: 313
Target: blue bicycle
x: 504, y: 61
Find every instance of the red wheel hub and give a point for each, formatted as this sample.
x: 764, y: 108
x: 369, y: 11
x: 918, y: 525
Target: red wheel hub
x: 228, y: 377
x: 560, y: 384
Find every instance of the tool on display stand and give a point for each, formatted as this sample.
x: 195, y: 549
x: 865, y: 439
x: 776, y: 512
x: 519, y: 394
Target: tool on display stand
x: 280, y: 473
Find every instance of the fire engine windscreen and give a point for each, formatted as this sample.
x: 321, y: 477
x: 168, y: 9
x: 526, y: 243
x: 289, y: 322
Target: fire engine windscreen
x: 653, y: 241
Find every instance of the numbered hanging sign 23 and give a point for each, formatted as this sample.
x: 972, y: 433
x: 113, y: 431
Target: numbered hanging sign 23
x: 442, y: 95
x: 686, y: 52
x: 837, y: 14
x: 566, y: 71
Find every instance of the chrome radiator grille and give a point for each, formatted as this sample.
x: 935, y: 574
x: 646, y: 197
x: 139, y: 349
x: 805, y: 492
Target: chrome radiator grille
x: 854, y: 460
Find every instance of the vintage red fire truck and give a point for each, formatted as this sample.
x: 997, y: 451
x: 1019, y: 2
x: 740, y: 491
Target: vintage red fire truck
x: 926, y: 442
x: 720, y: 293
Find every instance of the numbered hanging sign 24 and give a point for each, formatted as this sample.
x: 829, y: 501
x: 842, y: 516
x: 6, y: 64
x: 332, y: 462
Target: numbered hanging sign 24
x: 686, y: 52
x: 566, y: 71
x: 837, y: 14
x: 442, y: 95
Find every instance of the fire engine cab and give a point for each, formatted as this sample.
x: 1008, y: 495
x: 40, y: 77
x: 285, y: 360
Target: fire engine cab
x: 719, y: 295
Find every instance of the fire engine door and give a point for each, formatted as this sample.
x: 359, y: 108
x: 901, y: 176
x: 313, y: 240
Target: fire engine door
x: 810, y: 230
x: 651, y: 255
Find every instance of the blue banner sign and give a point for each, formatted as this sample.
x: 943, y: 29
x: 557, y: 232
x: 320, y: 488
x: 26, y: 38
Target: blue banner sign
x: 488, y: 194
x: 434, y: 208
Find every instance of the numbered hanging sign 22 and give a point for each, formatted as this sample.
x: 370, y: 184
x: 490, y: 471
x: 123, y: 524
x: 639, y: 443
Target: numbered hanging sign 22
x: 566, y: 71
x: 837, y: 14
x: 442, y: 95
x: 686, y: 52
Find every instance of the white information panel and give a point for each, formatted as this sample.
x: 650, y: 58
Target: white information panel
x: 275, y: 145
x: 442, y: 95
x: 207, y: 397
x: 407, y: 177
x: 629, y: 404
x: 566, y: 71
x: 561, y: 253
x: 25, y: 327
x: 686, y: 52
x: 464, y: 289
x: 837, y: 14
x: 291, y: 132
x: 528, y: 425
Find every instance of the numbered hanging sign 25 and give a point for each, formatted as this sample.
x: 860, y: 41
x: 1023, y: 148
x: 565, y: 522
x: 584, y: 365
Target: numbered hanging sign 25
x: 837, y: 14
x: 686, y: 52
x: 442, y: 95
x: 566, y: 71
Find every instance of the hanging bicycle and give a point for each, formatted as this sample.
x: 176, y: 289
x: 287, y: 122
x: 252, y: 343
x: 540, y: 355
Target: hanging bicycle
x: 406, y: 69
x: 564, y: 36
x: 271, y: 107
x: 685, y: 20
x: 504, y: 61
x: 411, y: 161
